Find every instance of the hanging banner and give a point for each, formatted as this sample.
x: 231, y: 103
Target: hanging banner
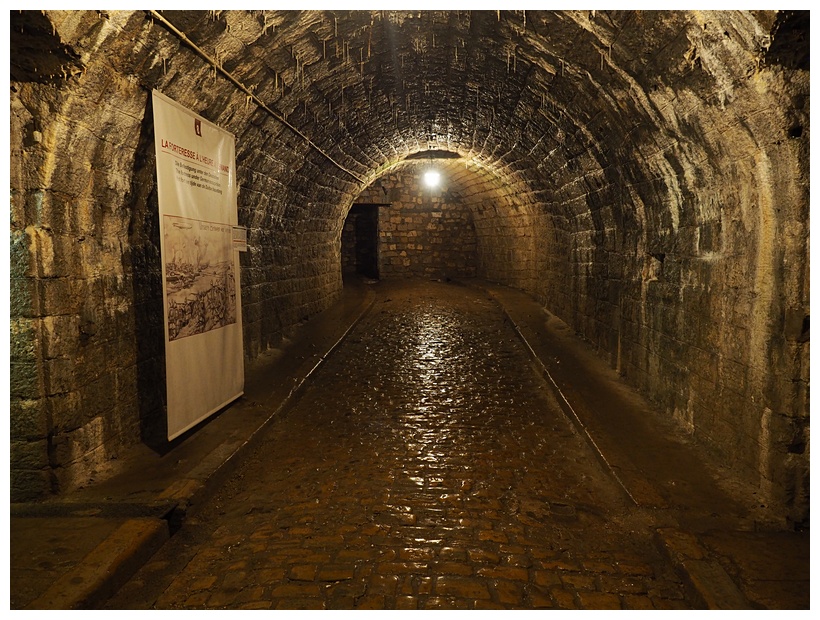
x: 196, y: 185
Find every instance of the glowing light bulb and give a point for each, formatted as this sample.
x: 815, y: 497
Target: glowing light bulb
x: 432, y: 178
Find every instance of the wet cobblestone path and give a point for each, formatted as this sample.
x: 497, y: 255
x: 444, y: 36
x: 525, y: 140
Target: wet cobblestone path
x: 427, y: 466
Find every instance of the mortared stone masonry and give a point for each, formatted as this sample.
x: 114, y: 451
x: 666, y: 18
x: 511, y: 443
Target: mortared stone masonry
x: 643, y: 175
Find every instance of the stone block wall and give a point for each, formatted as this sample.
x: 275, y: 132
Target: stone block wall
x: 76, y: 360
x: 87, y: 355
x: 425, y: 232
x: 505, y: 228
x: 348, y: 249
x: 360, y: 241
x: 643, y: 174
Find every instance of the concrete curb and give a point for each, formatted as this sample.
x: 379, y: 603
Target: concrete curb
x: 103, y: 570
x: 707, y: 583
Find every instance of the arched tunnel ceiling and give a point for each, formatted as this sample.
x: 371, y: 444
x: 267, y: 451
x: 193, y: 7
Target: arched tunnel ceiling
x: 523, y: 94
x: 475, y: 186
x: 372, y: 87
x: 644, y: 175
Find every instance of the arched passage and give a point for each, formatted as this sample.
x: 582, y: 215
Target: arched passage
x: 642, y: 174
x: 469, y: 224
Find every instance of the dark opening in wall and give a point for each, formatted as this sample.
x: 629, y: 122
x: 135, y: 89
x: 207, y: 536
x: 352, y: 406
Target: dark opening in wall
x: 796, y: 131
x: 804, y: 332
x: 790, y: 46
x: 360, y: 241
x: 39, y: 54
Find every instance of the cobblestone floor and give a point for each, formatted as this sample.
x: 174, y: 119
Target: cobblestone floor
x: 428, y: 466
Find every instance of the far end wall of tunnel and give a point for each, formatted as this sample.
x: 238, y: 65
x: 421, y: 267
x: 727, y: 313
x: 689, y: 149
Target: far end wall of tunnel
x: 420, y: 231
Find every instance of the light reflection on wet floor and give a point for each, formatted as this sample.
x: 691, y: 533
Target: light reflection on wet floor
x: 431, y: 466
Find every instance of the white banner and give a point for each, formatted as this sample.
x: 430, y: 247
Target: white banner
x: 196, y: 185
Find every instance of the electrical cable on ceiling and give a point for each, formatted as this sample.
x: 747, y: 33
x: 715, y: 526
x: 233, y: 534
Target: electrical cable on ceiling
x: 184, y: 38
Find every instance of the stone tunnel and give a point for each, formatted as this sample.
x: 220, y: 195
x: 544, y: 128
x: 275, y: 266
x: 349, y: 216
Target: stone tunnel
x: 644, y: 176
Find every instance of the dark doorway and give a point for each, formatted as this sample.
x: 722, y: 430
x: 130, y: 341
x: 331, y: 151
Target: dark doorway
x: 360, y: 241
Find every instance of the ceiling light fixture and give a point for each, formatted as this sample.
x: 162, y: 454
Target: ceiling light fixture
x: 432, y: 177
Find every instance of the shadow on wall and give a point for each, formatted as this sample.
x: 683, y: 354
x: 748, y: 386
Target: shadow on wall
x: 143, y: 261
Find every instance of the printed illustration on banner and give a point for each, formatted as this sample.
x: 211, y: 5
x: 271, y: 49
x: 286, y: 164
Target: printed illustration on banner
x: 199, y: 276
